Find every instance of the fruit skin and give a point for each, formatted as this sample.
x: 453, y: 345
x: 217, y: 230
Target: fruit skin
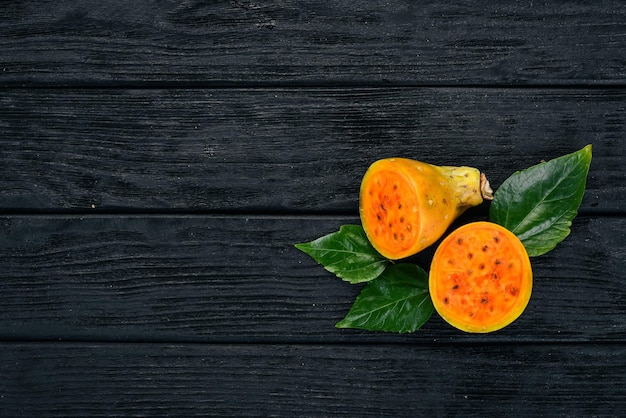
x: 406, y: 205
x: 480, y: 278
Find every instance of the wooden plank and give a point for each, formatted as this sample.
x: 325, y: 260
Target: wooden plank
x: 55, y: 380
x: 239, y: 279
x: 242, y: 41
x: 286, y: 150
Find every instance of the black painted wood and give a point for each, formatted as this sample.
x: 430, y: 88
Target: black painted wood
x: 239, y: 279
x: 311, y: 380
x: 286, y: 150
x: 158, y: 159
x: 315, y: 42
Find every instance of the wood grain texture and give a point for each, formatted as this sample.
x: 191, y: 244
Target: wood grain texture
x: 60, y: 380
x: 239, y: 279
x: 286, y: 150
x: 159, y: 159
x: 67, y: 43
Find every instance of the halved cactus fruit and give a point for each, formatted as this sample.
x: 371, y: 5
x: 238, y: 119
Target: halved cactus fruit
x: 406, y: 205
x: 480, y: 278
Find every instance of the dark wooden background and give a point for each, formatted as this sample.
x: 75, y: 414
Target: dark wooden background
x: 160, y: 158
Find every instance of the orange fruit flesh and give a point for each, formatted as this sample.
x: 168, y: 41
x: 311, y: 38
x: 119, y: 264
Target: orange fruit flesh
x: 389, y: 212
x: 480, y: 278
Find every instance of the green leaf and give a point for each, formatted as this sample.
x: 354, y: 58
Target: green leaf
x: 348, y: 254
x: 397, y: 301
x: 538, y: 204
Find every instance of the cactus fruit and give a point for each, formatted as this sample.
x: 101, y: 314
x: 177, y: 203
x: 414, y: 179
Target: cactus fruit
x: 480, y: 278
x: 407, y: 205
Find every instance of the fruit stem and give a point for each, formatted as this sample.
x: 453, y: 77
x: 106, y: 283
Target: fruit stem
x: 485, y: 188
